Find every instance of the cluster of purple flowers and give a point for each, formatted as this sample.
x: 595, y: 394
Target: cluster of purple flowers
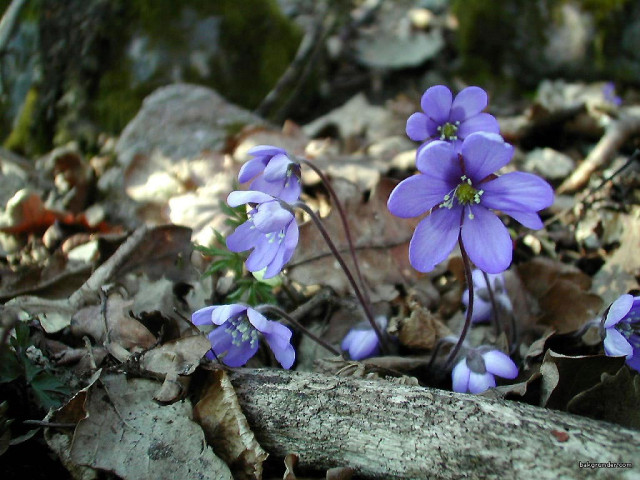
x: 458, y: 189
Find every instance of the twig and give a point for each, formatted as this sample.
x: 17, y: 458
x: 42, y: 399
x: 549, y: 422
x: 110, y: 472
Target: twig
x: 616, y: 134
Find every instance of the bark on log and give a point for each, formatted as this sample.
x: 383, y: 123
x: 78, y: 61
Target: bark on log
x: 385, y: 430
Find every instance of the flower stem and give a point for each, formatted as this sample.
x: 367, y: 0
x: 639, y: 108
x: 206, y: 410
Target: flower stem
x: 467, y: 322
x: 343, y: 219
x: 278, y: 311
x: 365, y: 305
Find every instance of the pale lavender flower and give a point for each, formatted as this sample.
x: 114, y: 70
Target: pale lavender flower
x: 276, y: 173
x: 609, y: 93
x: 362, y: 342
x: 237, y: 336
x: 482, y: 307
x: 451, y: 120
x: 459, y: 189
x: 271, y: 231
x: 476, y: 372
x: 621, y: 326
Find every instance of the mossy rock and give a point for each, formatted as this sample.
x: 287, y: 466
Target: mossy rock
x: 527, y: 41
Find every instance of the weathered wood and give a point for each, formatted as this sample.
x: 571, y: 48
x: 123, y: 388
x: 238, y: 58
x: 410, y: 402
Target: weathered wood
x: 385, y: 430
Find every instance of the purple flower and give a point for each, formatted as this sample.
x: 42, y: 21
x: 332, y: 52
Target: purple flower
x: 236, y: 338
x: 482, y: 308
x: 459, y: 190
x: 279, y: 176
x: 362, y: 342
x: 451, y: 120
x: 622, y: 330
x: 609, y: 93
x: 477, y: 371
x: 271, y: 231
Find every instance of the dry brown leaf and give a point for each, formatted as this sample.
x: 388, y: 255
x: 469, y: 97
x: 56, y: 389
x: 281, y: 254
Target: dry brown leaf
x: 420, y: 330
x: 173, y: 359
x: 227, y: 429
x: 564, y: 377
x: 25, y: 213
x: 381, y: 241
x: 561, y: 292
x: 128, y: 434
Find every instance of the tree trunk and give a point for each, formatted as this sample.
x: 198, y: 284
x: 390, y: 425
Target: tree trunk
x: 386, y: 430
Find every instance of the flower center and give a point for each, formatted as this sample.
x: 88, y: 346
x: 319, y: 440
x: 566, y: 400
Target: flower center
x: 449, y: 131
x: 464, y: 193
x: 241, y: 331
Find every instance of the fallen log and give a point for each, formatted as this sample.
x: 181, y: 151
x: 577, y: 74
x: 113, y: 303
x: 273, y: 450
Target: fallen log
x: 386, y: 430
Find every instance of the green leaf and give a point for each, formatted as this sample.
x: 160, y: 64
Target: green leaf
x: 49, y: 390
x: 10, y: 367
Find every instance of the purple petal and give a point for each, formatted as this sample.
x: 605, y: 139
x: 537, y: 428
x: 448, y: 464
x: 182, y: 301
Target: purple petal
x: 361, y: 343
x: 434, y: 238
x: 470, y: 101
x: 285, y: 252
x: 417, y: 127
x: 480, y: 382
x: 481, y: 310
x: 528, y: 219
x: 258, y: 320
x: 615, y: 345
x: 279, y: 340
x: 618, y: 310
x: 250, y: 169
x: 483, y: 122
x: 225, y: 312
x: 271, y: 217
x: 262, y: 255
x: 484, y: 153
x: 247, y: 196
x: 486, y: 240
x: 237, y: 356
x: 221, y: 340
x: 438, y: 159
x: 500, y: 364
x: 416, y: 195
x: 244, y: 237
x: 274, y: 189
x: 265, y: 150
x: 202, y: 316
x: 517, y: 191
x: 291, y: 190
x: 436, y: 103
x: 277, y: 168
x: 460, y: 377
x: 276, y: 265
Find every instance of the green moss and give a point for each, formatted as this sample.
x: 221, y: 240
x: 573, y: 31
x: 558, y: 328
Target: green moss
x: 21, y: 137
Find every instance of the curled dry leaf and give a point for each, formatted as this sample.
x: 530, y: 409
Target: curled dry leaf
x: 129, y: 435
x: 420, y: 330
x: 564, y: 377
x: 561, y: 291
x: 227, y: 429
x: 172, y: 360
x: 614, y: 399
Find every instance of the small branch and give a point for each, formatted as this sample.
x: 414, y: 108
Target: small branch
x: 386, y: 430
x: 616, y: 134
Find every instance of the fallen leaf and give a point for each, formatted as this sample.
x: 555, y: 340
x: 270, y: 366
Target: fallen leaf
x: 227, y: 429
x: 129, y: 435
x: 564, y: 377
x: 614, y: 399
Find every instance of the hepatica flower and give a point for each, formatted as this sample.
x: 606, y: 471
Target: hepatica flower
x: 271, y: 231
x: 477, y: 371
x: 274, y: 172
x: 449, y: 119
x: 482, y: 307
x: 362, y: 342
x: 622, y: 330
x: 236, y: 339
x: 460, y: 191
